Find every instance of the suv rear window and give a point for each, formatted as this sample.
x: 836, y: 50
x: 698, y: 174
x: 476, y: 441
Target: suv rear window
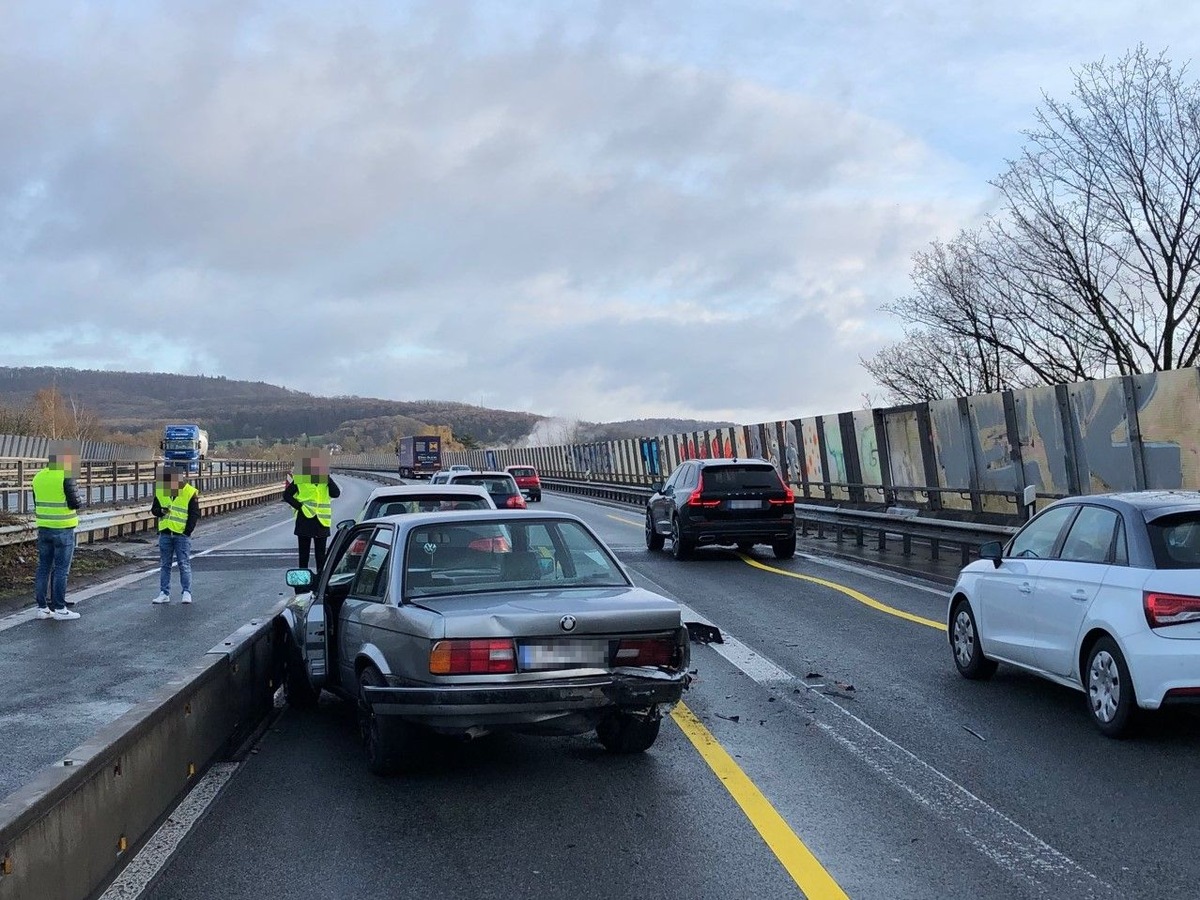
x: 741, y: 478
x: 1175, y: 540
x: 491, y: 485
x: 522, y: 473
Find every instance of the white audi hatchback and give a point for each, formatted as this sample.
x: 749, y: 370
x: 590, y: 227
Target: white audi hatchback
x: 1100, y: 593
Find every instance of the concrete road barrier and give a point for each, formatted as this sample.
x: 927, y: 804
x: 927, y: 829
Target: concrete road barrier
x: 70, y: 831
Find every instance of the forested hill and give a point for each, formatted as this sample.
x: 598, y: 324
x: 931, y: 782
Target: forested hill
x: 231, y: 409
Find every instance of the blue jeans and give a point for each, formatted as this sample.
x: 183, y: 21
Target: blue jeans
x: 55, y: 547
x: 177, y: 547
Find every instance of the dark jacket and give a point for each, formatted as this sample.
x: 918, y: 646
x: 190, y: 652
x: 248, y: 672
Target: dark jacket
x: 308, y: 526
x: 69, y: 490
x: 157, y: 510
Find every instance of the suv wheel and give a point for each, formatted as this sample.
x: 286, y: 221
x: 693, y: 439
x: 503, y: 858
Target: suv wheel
x: 681, y: 547
x: 621, y: 732
x: 786, y: 548
x: 654, y: 540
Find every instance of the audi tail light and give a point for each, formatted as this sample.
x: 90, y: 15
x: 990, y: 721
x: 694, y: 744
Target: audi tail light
x: 1170, y: 609
x: 473, y: 657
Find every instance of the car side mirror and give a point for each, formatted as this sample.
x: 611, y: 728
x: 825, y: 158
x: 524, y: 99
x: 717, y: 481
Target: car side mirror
x: 656, y: 486
x: 345, y: 523
x: 302, y: 579
x: 992, y: 550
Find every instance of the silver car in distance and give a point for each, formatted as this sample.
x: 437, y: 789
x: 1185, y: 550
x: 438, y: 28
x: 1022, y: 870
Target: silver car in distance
x: 464, y: 623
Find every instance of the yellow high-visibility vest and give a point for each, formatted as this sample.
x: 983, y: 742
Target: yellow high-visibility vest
x: 314, y: 500
x: 50, y: 500
x: 174, y: 519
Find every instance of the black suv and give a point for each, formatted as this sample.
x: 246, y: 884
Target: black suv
x: 733, y: 502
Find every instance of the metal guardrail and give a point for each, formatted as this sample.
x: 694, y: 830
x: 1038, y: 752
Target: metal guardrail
x: 842, y: 522
x: 116, y: 483
x: 100, y: 526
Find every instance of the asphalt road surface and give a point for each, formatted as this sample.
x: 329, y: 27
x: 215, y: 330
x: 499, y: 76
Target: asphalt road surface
x: 827, y: 749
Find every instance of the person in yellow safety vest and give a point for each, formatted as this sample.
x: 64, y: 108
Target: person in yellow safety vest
x: 55, y: 506
x: 311, y: 494
x: 177, y: 507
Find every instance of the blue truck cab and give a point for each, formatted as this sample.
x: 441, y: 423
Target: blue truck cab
x: 184, y: 446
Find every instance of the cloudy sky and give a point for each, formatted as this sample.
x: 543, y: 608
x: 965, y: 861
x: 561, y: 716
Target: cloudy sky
x: 603, y: 210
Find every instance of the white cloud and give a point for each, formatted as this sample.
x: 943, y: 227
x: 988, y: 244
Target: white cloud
x: 452, y: 199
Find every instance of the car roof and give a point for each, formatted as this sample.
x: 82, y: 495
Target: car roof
x: 725, y: 461
x: 415, y: 520
x: 400, y: 491
x: 494, y: 473
x: 1150, y: 504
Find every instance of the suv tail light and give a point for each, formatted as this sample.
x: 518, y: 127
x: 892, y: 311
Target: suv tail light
x: 789, y: 497
x: 695, y: 500
x: 516, y: 501
x: 1170, y: 609
x: 645, y: 652
x: 473, y: 657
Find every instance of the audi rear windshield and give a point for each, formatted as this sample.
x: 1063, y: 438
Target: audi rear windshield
x: 1175, y: 540
x: 741, y: 478
x: 396, y: 506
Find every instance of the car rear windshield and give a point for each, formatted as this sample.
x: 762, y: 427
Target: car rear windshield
x: 1175, y: 540
x: 741, y: 478
x: 480, y: 557
x: 491, y: 485
x: 397, y: 506
x: 522, y: 473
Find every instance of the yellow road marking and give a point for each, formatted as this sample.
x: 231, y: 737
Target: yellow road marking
x: 806, y: 870
x: 849, y: 592
x: 626, y: 521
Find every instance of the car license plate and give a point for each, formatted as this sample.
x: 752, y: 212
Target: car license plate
x: 745, y: 504
x: 563, y: 654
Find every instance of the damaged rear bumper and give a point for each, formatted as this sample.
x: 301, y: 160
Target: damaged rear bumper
x: 495, y: 705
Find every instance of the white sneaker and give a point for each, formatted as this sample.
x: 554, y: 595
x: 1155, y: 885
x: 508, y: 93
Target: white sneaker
x: 186, y: 598
x: 45, y: 612
x: 64, y: 614
x: 162, y: 598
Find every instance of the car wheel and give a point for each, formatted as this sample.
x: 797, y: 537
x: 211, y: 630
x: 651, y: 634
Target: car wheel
x: 388, y: 742
x: 681, y: 547
x: 297, y: 688
x: 964, y: 642
x: 654, y: 540
x: 1109, y: 689
x: 538, y: 497
x: 625, y: 733
x: 786, y: 548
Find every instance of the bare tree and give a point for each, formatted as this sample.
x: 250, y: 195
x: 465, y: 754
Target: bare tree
x: 1092, y: 267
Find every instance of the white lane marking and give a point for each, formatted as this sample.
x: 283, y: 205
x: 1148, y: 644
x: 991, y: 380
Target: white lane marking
x: 1011, y: 846
x: 866, y: 570
x: 157, y: 851
x: 28, y: 614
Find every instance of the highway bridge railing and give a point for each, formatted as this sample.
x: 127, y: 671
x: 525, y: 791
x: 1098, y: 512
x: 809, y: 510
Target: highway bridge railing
x: 127, y: 490
x: 893, y: 529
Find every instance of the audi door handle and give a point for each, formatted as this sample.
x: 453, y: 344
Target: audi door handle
x: 1026, y: 588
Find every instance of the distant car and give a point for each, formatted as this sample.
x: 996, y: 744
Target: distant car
x: 463, y: 623
x: 404, y: 499
x: 501, y: 485
x: 442, y: 476
x: 1100, y: 593
x: 728, y: 502
x: 459, y: 467
x: 528, y: 481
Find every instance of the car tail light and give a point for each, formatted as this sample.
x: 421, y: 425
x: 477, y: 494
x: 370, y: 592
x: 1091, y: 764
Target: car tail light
x: 473, y: 657
x: 789, y: 498
x: 490, y: 545
x: 645, y: 652
x: 695, y: 499
x: 1170, y: 609
x: 516, y: 501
